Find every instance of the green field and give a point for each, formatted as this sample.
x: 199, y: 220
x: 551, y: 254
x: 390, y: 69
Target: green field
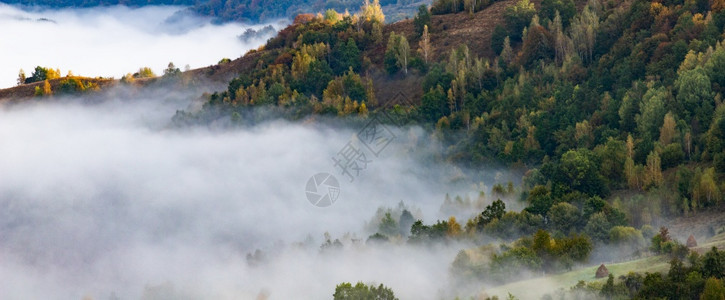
x: 536, y: 287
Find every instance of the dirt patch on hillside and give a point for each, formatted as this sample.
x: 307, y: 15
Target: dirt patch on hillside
x: 450, y: 30
x: 227, y: 71
x: 400, y: 89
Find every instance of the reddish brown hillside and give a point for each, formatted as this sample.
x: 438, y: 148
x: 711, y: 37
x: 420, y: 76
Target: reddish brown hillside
x: 450, y: 30
x: 447, y: 32
x: 227, y: 71
x: 26, y: 91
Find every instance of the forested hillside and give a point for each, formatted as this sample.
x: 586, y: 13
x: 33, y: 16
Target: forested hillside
x: 614, y: 108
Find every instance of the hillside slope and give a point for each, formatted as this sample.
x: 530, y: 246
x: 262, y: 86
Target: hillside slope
x: 450, y: 30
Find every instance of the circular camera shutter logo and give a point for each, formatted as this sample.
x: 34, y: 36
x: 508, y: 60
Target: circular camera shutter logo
x: 322, y: 189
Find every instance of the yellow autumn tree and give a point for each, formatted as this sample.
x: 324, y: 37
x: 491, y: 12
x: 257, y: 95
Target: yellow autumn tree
x: 424, y: 44
x: 454, y: 228
x: 654, y: 170
x: 667, y: 131
x: 372, y: 12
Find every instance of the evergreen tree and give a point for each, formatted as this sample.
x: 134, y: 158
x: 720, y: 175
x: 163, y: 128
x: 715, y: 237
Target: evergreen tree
x: 422, y: 19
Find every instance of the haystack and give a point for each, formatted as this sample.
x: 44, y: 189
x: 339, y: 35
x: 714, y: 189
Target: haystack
x: 691, y: 242
x: 602, y: 272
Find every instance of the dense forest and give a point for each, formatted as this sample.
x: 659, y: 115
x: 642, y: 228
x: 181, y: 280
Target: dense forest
x: 614, y: 108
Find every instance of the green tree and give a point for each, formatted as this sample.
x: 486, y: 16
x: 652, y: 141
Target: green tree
x: 495, y: 210
x: 609, y: 290
x: 499, y: 34
x: 509, y: 263
x: 390, y: 62
x: 613, y: 155
x: 540, y: 200
x: 317, y: 78
x: 694, y: 95
x: 388, y: 226
x: 583, y: 32
x: 403, y: 53
x: 538, y: 45
x: 652, y: 112
x: 715, y: 66
x: 626, y: 235
x: 507, y: 53
x: 346, y: 56
x: 361, y: 291
x: 714, y: 290
x: 71, y: 86
x: 598, y: 227
x: 434, y: 104
x: 713, y: 263
x: 171, y: 71
x: 41, y: 73
x: 399, y: 50
x: 564, y: 217
x: 422, y: 19
x: 406, y: 220
x: 672, y: 155
x: 705, y: 189
x: 566, y: 9
x: 331, y: 16
x: 579, y: 171
x: 518, y: 16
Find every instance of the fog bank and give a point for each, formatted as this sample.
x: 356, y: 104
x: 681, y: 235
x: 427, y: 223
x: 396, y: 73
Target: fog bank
x: 113, y: 41
x: 106, y: 198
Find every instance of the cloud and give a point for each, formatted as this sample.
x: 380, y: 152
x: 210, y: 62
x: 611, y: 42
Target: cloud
x: 113, y: 41
x: 105, y: 198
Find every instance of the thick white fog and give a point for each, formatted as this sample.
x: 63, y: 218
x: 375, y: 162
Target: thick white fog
x: 105, y: 198
x: 113, y: 41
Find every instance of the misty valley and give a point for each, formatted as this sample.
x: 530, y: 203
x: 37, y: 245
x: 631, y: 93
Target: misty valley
x: 444, y: 149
